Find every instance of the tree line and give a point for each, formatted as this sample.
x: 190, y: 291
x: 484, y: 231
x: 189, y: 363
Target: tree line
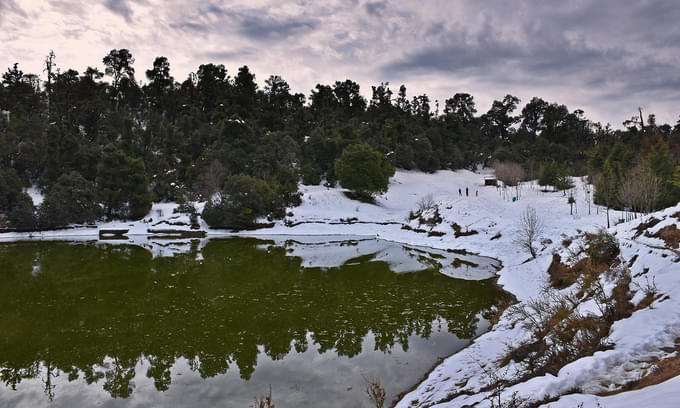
x: 104, y: 144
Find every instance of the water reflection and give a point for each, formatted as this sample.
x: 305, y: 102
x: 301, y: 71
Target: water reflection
x: 107, y: 317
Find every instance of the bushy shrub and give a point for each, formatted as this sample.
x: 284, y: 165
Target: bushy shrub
x: 22, y: 215
x: 243, y: 200
x: 553, y: 174
x: 311, y: 175
x: 123, y: 184
x: 363, y: 170
x: 603, y: 247
x: 72, y: 199
x: 10, y: 188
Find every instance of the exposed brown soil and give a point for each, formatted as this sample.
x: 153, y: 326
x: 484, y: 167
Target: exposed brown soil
x: 562, y: 276
x: 645, y: 226
x: 670, y: 234
x: 458, y: 231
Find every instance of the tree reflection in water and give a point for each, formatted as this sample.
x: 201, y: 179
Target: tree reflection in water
x: 94, y: 311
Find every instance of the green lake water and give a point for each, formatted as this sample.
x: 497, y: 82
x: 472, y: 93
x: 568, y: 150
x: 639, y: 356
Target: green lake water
x: 216, y: 323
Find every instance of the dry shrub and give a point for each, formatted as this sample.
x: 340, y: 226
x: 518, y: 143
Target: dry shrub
x: 553, y: 320
x: 426, y: 203
x: 620, y: 305
x: 659, y: 371
x: 264, y: 401
x: 375, y: 392
x: 560, y: 274
x: 563, y: 276
x: 645, y: 225
x: 651, y: 293
x: 670, y: 234
x: 427, y: 212
x: 458, y: 231
x: 538, y: 315
x: 602, y: 248
x: 509, y: 173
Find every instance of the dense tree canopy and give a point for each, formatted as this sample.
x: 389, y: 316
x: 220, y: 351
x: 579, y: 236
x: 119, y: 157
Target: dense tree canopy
x: 165, y: 139
x: 363, y: 170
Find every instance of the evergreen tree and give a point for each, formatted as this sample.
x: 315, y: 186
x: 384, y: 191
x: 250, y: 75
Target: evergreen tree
x: 123, y: 184
x: 662, y: 165
x: 363, y: 170
x: 10, y: 188
x: 72, y: 199
x: 547, y: 174
x: 22, y: 215
x: 243, y: 200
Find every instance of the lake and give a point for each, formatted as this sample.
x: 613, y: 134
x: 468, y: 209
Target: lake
x: 214, y: 323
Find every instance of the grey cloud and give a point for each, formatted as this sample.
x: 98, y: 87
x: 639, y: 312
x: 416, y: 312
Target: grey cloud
x: 11, y: 6
x: 190, y: 26
x: 69, y: 7
x: 251, y: 24
x: 258, y: 27
x: 119, y: 7
x: 618, y: 54
x: 219, y: 56
x: 598, y: 55
x: 376, y: 8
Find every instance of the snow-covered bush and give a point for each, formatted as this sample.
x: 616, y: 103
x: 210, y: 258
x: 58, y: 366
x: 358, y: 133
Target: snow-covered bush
x: 603, y: 247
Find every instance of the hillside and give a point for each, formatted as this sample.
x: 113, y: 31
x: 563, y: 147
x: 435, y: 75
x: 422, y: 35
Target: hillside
x: 590, y: 319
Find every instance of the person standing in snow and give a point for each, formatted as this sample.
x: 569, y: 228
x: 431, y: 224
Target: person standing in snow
x: 460, y: 193
x: 466, y: 192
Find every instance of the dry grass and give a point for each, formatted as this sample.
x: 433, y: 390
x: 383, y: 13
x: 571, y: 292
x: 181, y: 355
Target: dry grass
x: 659, y: 371
x: 458, y: 231
x: 554, y: 319
x: 563, y: 276
x: 645, y: 226
x: 670, y: 234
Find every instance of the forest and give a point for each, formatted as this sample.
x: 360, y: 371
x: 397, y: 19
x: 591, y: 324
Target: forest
x: 105, y: 144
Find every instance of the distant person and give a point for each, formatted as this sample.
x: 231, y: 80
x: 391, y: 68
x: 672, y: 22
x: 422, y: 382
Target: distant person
x: 460, y: 193
x: 466, y: 192
x: 476, y: 193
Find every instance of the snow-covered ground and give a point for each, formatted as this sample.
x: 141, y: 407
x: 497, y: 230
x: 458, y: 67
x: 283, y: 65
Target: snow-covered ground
x: 648, y: 334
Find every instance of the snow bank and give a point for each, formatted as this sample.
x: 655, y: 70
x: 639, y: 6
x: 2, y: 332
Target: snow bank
x: 490, y: 216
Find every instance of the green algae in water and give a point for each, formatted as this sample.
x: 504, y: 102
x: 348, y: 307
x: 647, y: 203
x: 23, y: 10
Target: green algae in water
x: 84, y: 324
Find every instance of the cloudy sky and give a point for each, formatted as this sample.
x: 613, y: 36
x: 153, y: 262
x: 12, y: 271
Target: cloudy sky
x: 603, y: 56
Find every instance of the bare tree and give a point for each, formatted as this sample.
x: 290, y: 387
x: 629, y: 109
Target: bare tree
x: 264, y: 401
x: 375, y: 392
x: 49, y: 68
x: 530, y: 227
x: 426, y: 202
x: 509, y: 173
x: 641, y: 189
